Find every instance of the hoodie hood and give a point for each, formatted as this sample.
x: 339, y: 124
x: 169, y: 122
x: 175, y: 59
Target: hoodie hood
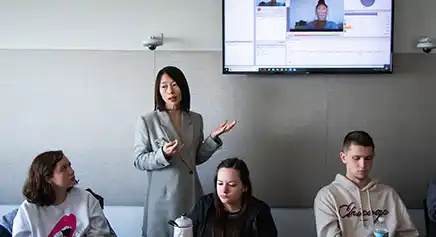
x: 344, y: 181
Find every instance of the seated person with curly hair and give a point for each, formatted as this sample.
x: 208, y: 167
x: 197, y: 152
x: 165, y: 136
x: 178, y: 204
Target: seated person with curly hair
x: 53, y: 206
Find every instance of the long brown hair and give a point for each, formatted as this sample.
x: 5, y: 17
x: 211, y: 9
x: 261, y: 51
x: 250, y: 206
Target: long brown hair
x: 36, y: 188
x: 220, y: 212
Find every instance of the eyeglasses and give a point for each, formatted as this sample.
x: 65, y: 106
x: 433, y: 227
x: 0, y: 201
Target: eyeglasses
x: 321, y: 10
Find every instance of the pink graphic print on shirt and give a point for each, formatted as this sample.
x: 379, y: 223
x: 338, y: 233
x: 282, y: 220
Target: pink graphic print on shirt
x: 65, y: 227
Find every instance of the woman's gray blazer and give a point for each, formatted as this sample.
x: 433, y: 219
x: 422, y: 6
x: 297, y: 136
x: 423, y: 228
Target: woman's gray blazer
x: 173, y: 185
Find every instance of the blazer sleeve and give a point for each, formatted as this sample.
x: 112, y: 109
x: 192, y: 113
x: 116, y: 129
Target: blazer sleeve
x: 265, y: 224
x: 207, y: 146
x: 145, y: 157
x: 431, y: 200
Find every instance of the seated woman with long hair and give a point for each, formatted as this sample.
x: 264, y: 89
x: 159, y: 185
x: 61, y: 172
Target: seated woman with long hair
x: 53, y: 206
x: 232, y: 211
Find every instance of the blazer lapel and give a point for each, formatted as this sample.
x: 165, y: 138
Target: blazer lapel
x: 187, y: 129
x: 167, y: 126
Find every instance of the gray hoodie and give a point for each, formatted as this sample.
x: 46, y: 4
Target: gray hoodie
x: 344, y: 210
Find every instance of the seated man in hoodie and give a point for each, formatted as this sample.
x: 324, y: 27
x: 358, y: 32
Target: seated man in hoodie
x: 351, y: 204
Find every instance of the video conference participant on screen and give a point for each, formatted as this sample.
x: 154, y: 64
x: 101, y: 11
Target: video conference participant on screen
x: 321, y: 22
x: 272, y: 3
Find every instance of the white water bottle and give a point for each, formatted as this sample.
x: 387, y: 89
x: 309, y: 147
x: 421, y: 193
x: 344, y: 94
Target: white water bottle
x: 184, y: 227
x: 380, y: 228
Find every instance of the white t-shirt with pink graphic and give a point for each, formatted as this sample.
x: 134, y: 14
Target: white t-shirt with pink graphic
x: 79, y: 215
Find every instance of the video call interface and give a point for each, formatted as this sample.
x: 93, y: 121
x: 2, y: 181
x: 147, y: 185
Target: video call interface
x: 288, y: 35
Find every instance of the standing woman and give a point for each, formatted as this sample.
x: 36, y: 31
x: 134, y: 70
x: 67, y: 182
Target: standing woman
x: 169, y: 144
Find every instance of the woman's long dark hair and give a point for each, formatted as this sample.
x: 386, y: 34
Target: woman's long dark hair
x: 177, y: 75
x: 220, y: 212
x: 37, y: 189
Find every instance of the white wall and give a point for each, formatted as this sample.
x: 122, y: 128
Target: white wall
x: 122, y: 25
x: 109, y: 24
x: 289, y: 128
x: 83, y: 102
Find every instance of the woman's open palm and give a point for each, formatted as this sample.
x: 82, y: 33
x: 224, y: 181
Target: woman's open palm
x: 223, y: 128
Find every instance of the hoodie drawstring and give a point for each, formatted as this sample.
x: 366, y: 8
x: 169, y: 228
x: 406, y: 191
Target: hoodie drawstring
x: 370, y: 207
x: 361, y: 208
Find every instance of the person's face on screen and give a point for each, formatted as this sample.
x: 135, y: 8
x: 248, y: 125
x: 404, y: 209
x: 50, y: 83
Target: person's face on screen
x: 322, y: 12
x: 63, y: 174
x: 358, y: 160
x: 170, y: 92
x: 229, y: 186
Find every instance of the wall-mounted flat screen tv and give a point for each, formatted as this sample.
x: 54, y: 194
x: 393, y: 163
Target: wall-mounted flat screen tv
x: 307, y: 36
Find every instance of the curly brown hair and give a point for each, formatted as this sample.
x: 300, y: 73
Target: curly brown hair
x: 36, y: 188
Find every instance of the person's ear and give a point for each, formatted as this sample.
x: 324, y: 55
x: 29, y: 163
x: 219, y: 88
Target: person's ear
x: 343, y: 157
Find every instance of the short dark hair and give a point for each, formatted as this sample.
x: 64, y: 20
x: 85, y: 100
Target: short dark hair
x: 177, y: 75
x: 36, y: 188
x: 221, y: 215
x: 360, y: 138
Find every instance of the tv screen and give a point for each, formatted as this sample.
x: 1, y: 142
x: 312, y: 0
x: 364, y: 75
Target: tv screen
x: 307, y: 36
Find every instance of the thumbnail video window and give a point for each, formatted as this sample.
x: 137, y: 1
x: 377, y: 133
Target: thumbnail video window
x: 271, y: 3
x: 319, y: 15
